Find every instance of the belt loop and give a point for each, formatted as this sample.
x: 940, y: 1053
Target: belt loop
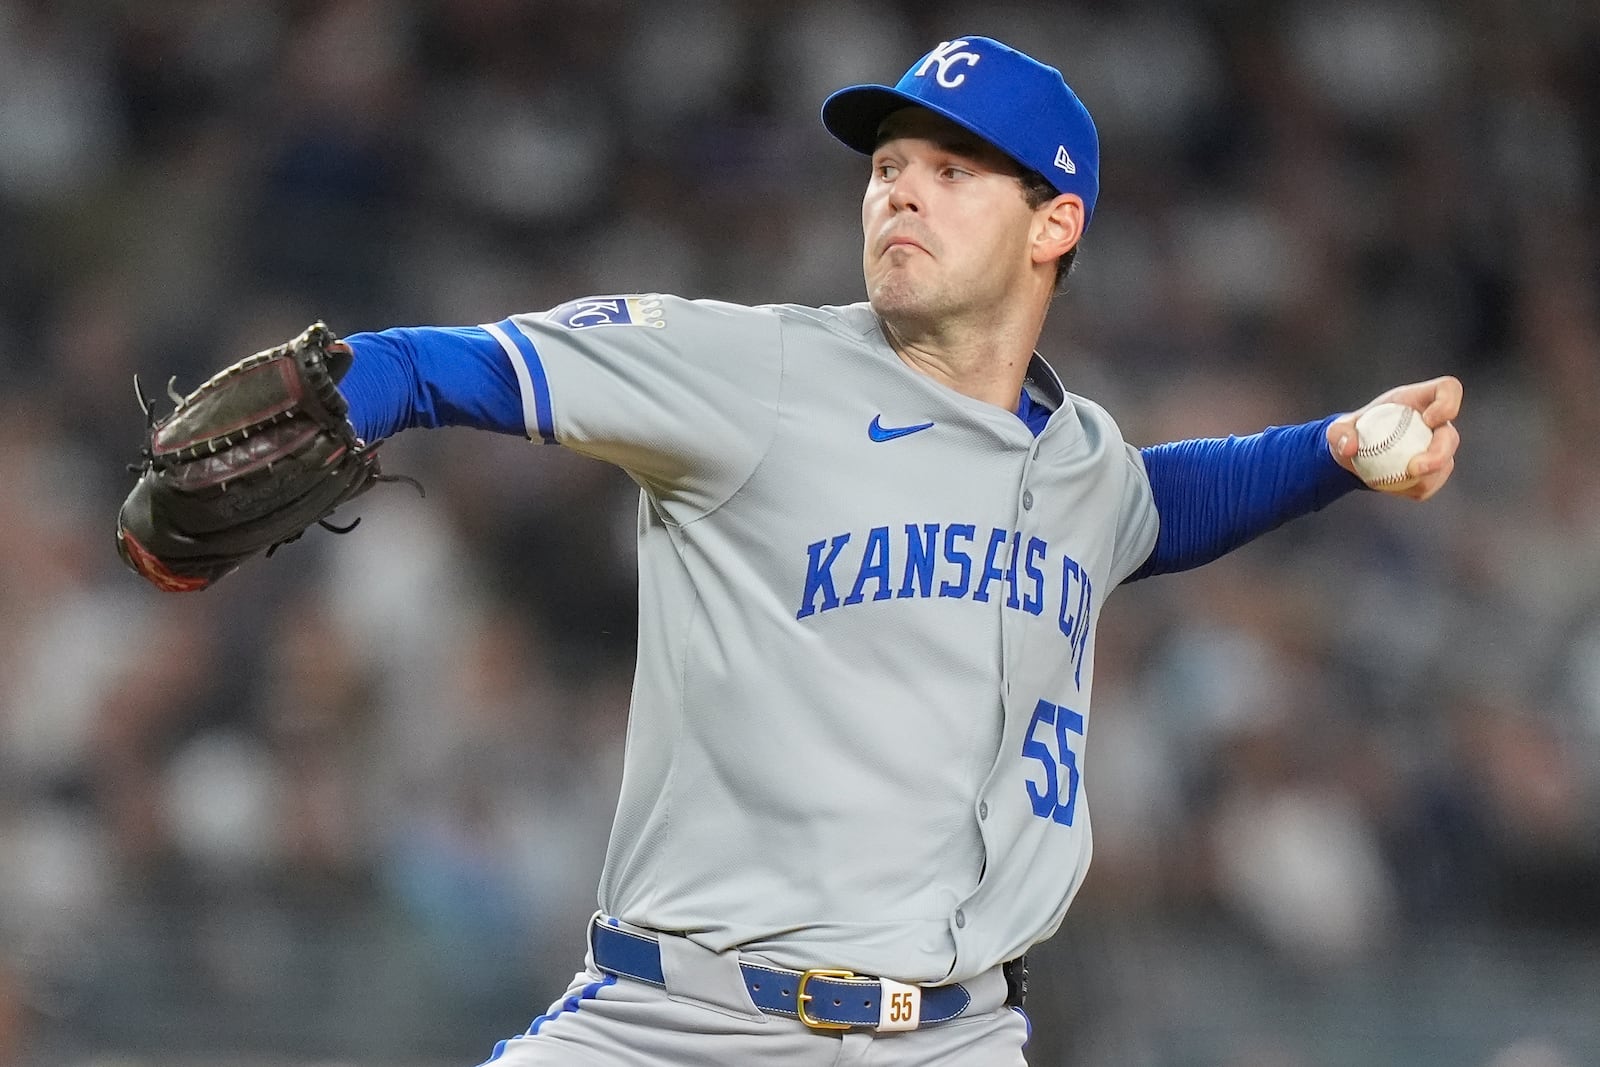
x: 588, y: 937
x: 696, y: 974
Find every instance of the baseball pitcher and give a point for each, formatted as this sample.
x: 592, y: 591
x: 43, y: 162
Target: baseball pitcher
x: 874, y: 544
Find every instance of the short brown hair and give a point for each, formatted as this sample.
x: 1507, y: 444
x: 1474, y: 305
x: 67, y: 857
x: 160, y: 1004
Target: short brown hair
x: 1037, y: 192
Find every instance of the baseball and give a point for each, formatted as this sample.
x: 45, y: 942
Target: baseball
x: 1387, y: 437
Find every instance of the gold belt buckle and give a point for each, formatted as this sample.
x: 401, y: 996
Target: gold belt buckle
x: 801, y: 997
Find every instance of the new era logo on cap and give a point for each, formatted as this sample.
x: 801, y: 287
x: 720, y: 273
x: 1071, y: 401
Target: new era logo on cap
x: 1011, y: 100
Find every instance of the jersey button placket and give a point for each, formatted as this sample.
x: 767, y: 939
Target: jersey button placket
x: 1027, y: 500
x: 983, y: 810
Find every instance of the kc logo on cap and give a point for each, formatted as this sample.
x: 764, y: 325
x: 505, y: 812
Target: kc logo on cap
x: 946, y: 56
x: 1021, y: 106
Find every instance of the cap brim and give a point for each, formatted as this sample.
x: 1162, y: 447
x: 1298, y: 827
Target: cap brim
x: 854, y: 114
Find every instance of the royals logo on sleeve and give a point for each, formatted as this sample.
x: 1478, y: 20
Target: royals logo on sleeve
x: 609, y: 311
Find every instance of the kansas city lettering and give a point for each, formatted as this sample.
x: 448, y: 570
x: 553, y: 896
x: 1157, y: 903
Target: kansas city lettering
x: 951, y: 561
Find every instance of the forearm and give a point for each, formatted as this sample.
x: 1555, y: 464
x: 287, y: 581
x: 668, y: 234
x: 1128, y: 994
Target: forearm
x: 430, y: 376
x: 1214, y: 495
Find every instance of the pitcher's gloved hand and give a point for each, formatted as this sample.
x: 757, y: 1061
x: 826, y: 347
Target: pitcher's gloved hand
x: 243, y: 464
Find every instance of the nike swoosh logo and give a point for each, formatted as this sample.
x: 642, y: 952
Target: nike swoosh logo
x: 879, y: 432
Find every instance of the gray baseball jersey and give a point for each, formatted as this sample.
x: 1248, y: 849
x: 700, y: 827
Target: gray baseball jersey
x: 867, y: 609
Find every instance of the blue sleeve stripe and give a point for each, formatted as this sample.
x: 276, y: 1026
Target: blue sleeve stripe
x: 530, y: 378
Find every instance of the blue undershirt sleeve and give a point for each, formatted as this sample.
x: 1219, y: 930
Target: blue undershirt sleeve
x: 1213, y: 495
x: 430, y: 376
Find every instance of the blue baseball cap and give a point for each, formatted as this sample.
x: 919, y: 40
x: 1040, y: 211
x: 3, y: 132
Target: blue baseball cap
x: 1021, y: 106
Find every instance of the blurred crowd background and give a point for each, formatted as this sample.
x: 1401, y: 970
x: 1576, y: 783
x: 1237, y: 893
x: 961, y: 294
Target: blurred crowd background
x: 348, y: 807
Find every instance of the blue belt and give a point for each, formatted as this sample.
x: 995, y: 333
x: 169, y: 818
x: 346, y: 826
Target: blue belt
x: 822, y: 999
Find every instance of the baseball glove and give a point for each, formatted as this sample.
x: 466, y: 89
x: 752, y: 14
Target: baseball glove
x: 244, y: 464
